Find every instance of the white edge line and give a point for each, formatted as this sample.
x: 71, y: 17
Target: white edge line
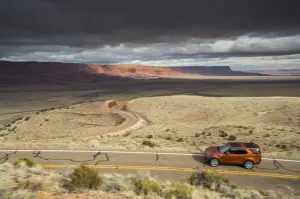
x: 127, y: 152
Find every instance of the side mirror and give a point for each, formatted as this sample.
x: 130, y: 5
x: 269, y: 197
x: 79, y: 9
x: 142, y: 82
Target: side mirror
x: 227, y: 152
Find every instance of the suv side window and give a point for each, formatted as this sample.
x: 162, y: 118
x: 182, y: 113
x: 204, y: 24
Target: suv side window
x: 233, y: 151
x: 242, y: 151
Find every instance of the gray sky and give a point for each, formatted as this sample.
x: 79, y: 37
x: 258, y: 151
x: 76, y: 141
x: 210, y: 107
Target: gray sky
x: 239, y: 33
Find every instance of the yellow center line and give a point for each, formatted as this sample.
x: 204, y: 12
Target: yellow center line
x: 157, y: 168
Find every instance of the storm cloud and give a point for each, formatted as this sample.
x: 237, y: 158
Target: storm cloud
x: 192, y: 32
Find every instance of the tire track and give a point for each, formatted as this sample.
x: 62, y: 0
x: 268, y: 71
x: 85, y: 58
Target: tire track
x: 132, y: 122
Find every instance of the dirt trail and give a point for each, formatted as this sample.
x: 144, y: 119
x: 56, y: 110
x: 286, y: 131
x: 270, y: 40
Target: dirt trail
x: 132, y: 121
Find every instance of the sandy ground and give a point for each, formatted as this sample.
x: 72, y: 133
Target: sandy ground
x: 173, y: 123
x: 21, y: 100
x: 71, y: 126
x: 191, y: 122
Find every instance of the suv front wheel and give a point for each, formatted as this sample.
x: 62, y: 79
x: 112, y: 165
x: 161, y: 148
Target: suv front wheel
x: 249, y: 164
x: 214, y: 162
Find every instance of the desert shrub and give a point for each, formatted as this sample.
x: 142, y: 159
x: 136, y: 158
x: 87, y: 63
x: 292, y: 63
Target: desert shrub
x: 13, y: 128
x: 20, y: 194
x: 207, y: 179
x: 24, y: 184
x: 267, y: 135
x: 149, y: 136
x: 17, y: 119
x: 285, y: 191
x: 84, y: 177
x: 148, y: 143
x: 232, y: 137
x: 203, y: 133
x: 180, y: 190
x: 208, y: 134
x: 33, y: 186
x: 116, y: 183
x: 223, y: 134
x: 167, y: 130
x: 180, y: 140
x: 118, y: 119
x: 197, y: 134
x: 29, y: 162
x: 145, y: 186
x: 268, y: 193
x: 27, y: 118
x: 281, y: 146
x: 127, y: 134
x: 124, y: 107
x: 250, y: 132
x: 168, y: 138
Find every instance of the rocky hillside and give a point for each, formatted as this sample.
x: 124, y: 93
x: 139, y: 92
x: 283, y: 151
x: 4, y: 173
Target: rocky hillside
x: 55, y: 72
x: 139, y: 71
x: 213, y: 71
x: 18, y: 73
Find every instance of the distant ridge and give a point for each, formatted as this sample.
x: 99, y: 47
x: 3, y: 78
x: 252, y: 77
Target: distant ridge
x: 155, y: 71
x: 277, y: 72
x: 214, y: 71
x: 56, y: 72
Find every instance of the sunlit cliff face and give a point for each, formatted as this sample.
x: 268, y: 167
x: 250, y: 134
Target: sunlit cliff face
x: 136, y: 70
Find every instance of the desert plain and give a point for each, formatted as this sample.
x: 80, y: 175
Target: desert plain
x: 161, y: 115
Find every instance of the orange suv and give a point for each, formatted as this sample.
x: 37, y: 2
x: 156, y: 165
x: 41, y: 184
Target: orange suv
x: 239, y: 153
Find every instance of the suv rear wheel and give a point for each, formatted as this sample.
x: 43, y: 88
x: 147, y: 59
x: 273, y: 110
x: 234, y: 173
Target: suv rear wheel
x: 214, y: 162
x: 249, y: 164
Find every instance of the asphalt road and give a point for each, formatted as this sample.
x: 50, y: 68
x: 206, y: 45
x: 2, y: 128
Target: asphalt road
x: 173, y: 166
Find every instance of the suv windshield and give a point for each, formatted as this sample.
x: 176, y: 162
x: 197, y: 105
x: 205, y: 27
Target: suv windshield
x: 223, y: 148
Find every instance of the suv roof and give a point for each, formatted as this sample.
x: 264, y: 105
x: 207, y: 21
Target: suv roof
x: 243, y: 144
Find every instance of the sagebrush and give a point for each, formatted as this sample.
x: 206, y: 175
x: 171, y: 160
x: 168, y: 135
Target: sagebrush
x: 84, y: 177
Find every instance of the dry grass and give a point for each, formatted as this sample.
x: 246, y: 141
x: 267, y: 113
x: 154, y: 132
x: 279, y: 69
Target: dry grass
x: 207, y: 179
x: 117, y: 183
x: 60, y: 127
x: 180, y: 190
x: 30, y: 183
x: 20, y: 194
x: 146, y: 186
x: 178, y: 123
x: 193, y: 122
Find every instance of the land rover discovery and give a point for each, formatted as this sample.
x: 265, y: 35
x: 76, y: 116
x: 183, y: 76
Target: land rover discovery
x: 238, y: 153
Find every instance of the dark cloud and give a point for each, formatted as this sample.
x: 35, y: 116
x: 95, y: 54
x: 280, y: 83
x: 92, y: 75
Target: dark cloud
x: 97, y: 22
x: 159, y: 32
